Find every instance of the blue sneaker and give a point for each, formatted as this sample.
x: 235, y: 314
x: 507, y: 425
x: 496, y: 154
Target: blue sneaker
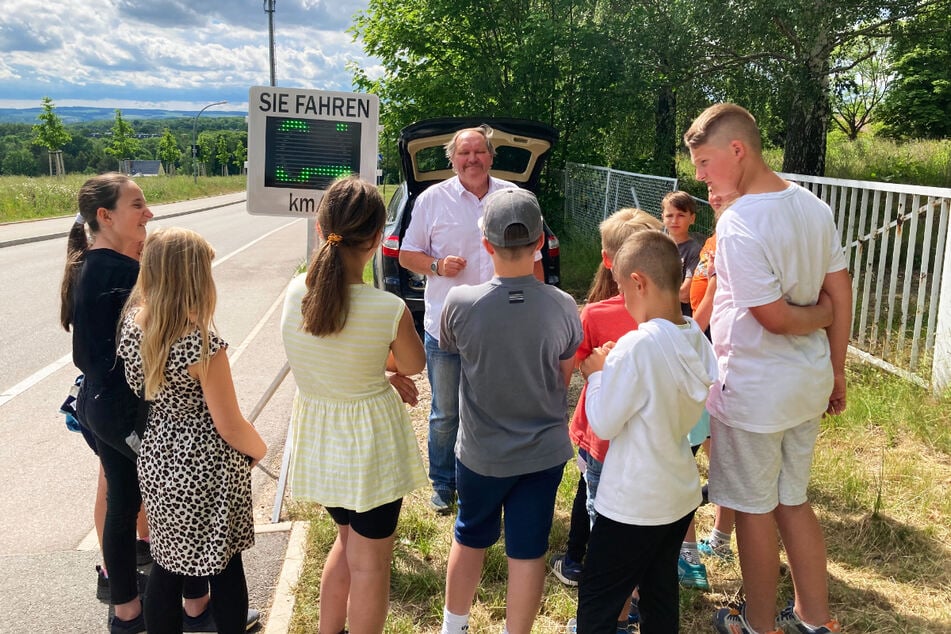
x: 441, y: 502
x: 789, y: 621
x: 692, y: 575
x: 733, y: 621
x: 565, y: 570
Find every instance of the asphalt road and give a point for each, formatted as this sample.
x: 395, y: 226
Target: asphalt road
x: 47, y: 543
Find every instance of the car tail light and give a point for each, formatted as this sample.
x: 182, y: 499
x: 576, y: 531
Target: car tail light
x: 391, y: 246
x: 553, y: 245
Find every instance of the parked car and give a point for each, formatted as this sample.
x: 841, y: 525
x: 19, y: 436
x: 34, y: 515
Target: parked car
x: 521, y: 147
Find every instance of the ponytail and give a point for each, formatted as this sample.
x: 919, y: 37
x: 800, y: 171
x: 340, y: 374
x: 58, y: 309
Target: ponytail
x: 603, y: 285
x: 98, y: 191
x: 77, y: 244
x: 351, y: 214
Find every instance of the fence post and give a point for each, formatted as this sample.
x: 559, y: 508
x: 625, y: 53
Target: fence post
x: 941, y: 364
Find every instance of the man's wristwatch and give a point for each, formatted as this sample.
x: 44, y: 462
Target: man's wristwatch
x: 434, y: 267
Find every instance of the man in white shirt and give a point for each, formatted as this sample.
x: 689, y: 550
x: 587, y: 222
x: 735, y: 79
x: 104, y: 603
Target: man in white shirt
x: 444, y: 242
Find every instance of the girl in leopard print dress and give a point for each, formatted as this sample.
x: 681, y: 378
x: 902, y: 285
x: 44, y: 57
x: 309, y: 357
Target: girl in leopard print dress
x: 198, y: 449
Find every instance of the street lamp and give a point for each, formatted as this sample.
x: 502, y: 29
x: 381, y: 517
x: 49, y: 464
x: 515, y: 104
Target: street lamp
x: 195, y: 137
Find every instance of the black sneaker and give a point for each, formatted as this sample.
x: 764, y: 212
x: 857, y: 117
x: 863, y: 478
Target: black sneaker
x: 143, y: 553
x: 133, y: 626
x: 205, y: 622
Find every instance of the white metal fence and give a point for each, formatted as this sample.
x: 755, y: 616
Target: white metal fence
x: 897, y: 248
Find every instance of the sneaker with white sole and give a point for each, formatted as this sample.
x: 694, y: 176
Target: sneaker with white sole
x: 566, y: 570
x: 733, y: 621
x: 790, y: 622
x: 692, y: 575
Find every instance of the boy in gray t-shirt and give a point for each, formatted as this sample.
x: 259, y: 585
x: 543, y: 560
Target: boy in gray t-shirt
x: 516, y: 337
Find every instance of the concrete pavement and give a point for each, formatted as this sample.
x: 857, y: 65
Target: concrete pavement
x: 55, y: 592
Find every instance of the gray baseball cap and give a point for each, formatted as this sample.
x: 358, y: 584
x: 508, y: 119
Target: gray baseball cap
x: 509, y: 207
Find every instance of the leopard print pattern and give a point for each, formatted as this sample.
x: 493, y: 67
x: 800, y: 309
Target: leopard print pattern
x: 196, y: 488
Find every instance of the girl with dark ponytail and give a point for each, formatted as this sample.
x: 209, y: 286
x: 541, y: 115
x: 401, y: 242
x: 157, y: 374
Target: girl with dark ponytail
x: 101, y: 269
x: 355, y: 452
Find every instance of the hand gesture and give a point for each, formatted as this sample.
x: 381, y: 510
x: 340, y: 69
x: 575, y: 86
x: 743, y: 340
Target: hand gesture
x: 405, y: 387
x: 595, y: 361
x: 452, y: 265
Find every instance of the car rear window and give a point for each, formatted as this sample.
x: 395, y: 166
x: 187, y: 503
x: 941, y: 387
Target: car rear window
x: 507, y: 158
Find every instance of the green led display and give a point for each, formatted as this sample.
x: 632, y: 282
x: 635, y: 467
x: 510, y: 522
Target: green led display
x: 288, y: 125
x: 309, y: 153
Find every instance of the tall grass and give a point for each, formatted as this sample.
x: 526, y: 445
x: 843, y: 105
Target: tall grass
x: 26, y: 198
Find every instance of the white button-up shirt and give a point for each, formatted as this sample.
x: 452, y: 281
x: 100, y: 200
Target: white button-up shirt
x: 446, y: 222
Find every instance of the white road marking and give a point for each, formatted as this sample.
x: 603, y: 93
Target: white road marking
x: 24, y: 385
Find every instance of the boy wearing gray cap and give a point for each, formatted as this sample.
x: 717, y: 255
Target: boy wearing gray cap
x: 516, y: 337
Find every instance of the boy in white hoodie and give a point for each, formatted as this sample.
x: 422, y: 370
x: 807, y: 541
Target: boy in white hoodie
x: 644, y: 394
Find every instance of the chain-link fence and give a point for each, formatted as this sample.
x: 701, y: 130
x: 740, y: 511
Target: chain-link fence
x: 593, y: 193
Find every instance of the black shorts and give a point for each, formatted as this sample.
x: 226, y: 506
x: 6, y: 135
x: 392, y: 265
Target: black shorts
x: 377, y: 523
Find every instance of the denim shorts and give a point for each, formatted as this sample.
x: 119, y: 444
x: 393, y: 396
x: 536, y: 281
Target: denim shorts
x: 528, y: 502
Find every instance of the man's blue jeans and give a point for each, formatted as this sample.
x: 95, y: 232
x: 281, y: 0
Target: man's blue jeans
x: 443, y: 369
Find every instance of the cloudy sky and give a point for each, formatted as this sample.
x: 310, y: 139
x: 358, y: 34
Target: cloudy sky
x: 173, y: 54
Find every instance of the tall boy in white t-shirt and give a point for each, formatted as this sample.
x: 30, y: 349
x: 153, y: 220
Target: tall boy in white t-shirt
x: 780, y: 328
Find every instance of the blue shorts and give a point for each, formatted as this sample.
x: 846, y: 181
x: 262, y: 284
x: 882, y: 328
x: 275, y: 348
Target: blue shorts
x: 529, y: 504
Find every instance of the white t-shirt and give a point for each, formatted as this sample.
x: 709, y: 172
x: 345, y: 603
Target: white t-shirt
x: 771, y: 246
x: 645, y: 400
x: 446, y: 222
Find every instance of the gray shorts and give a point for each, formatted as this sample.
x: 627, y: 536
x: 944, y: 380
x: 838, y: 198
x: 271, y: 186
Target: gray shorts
x: 754, y: 473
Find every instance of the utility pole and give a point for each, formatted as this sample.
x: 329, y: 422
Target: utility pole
x: 269, y: 9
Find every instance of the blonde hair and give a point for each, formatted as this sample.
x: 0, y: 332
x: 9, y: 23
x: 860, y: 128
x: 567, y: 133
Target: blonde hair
x: 176, y: 288
x: 350, y: 214
x: 654, y: 255
x: 724, y: 118
x: 615, y: 229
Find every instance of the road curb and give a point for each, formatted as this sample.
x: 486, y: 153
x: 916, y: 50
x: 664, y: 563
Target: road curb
x: 63, y: 234
x: 282, y: 605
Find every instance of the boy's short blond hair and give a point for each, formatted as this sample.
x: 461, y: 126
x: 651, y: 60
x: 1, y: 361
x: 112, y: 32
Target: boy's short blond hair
x: 724, y: 118
x: 620, y: 225
x: 654, y: 255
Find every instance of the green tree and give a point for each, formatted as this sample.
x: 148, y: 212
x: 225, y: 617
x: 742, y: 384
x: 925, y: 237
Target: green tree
x: 857, y: 91
x: 802, y: 36
x: 169, y: 152
x: 919, y: 103
x: 51, y: 134
x: 123, y: 145
x: 540, y: 59
x: 222, y: 153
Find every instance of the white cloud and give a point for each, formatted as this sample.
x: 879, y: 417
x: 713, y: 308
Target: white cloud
x: 160, y: 52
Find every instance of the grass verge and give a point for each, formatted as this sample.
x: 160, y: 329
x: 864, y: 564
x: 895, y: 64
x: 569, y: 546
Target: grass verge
x: 880, y: 487
x: 25, y: 198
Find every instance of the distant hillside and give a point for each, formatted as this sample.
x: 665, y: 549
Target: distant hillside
x: 81, y: 114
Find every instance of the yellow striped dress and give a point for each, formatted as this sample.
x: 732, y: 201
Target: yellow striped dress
x: 354, y: 445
